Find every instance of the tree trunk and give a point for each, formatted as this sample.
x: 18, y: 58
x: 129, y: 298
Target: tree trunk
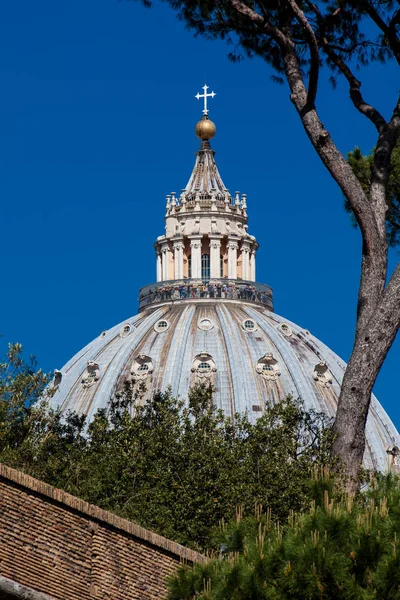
x: 10, y: 589
x: 370, y: 349
x: 378, y: 309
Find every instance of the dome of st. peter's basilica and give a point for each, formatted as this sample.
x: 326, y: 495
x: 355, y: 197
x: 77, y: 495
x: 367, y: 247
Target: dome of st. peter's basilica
x: 207, y: 319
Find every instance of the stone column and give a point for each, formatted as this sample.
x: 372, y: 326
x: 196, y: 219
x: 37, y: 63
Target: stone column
x: 159, y: 265
x: 178, y: 258
x: 165, y: 261
x: 246, y: 260
x: 215, y: 257
x: 195, y: 250
x: 253, y: 265
x: 232, y: 259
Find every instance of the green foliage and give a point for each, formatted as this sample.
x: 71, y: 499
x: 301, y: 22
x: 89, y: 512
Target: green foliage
x: 339, y: 25
x: 21, y: 384
x: 361, y: 165
x: 337, y: 550
x: 178, y: 470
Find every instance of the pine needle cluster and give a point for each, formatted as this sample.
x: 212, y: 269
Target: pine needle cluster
x: 340, y: 548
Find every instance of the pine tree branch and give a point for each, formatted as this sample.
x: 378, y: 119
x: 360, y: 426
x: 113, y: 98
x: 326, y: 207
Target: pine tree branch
x: 388, y: 30
x: 314, y: 52
x: 354, y: 84
x: 361, y: 105
x: 268, y: 27
x: 374, y: 259
x: 380, y: 170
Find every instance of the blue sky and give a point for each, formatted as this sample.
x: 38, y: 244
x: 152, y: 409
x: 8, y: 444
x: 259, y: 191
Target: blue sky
x: 97, y: 116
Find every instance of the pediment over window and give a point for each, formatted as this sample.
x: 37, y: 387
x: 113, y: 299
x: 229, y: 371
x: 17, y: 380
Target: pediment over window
x: 91, y: 374
x: 268, y: 367
x: 142, y: 368
x: 322, y: 374
x: 204, y: 368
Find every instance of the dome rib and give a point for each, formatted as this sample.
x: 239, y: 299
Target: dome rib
x: 297, y: 375
x: 178, y: 349
x: 243, y: 386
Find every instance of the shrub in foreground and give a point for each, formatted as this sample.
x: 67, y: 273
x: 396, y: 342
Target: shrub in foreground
x: 339, y: 549
x: 175, y: 467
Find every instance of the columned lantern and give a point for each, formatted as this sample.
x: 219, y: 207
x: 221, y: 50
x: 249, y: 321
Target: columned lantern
x: 206, y: 250
x: 207, y: 319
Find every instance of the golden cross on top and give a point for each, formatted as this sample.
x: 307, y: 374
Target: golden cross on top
x: 205, y: 96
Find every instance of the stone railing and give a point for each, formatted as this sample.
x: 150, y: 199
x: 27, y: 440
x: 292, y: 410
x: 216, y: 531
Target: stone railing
x: 197, y: 289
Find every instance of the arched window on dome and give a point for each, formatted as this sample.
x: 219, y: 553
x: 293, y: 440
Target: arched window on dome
x: 189, y: 266
x: 143, y: 367
x: 267, y: 367
x: 205, y: 266
x: 221, y: 266
x: 204, y: 366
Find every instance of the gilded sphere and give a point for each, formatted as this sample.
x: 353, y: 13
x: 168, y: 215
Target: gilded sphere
x: 205, y: 129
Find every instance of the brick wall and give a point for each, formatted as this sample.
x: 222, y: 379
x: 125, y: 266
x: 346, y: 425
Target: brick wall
x: 62, y: 546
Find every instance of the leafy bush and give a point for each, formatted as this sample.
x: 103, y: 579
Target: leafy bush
x: 174, y: 467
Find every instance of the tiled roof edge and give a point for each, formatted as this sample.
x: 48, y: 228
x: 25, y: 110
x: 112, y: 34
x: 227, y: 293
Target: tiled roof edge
x: 94, y: 512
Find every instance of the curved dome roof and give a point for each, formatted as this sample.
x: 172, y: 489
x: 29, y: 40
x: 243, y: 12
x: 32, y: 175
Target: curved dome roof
x: 253, y: 357
x: 207, y: 319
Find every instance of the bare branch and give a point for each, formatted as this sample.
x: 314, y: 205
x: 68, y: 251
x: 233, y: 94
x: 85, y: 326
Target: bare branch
x: 354, y: 87
x: 388, y: 30
x: 374, y: 259
x: 354, y: 84
x: 374, y: 256
x: 314, y: 52
x: 381, y: 167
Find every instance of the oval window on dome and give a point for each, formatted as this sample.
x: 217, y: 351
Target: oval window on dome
x: 205, y: 324
x: 249, y: 325
x: 125, y: 330
x: 286, y: 329
x: 161, y: 326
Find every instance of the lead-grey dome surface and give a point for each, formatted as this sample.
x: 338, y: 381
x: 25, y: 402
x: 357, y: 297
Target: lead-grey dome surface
x: 208, y: 319
x: 253, y: 357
